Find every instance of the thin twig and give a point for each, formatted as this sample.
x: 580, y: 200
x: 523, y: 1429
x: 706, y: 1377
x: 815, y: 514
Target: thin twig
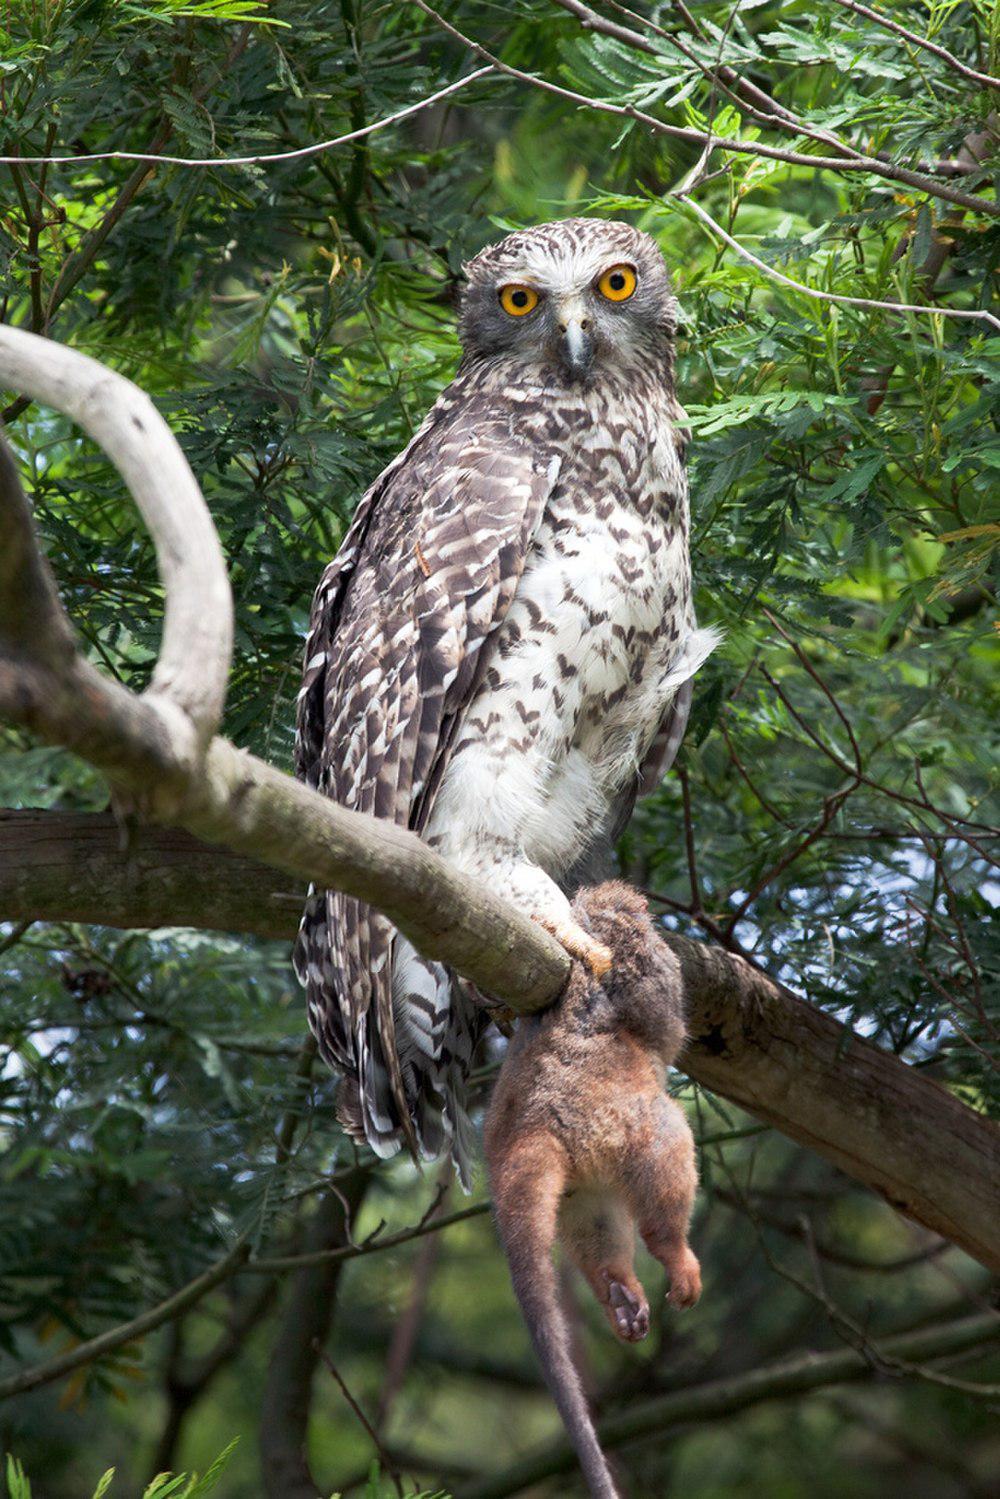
x: 355, y: 1251
x: 719, y: 75
x: 127, y: 1332
x: 13, y: 938
x: 969, y: 314
x: 729, y: 143
x: 986, y: 80
x: 385, y: 1461
x: 156, y: 158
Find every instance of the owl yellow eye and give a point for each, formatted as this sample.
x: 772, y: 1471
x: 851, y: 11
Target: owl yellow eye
x: 517, y: 299
x: 618, y: 283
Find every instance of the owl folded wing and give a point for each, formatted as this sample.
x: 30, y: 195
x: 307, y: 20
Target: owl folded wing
x: 394, y: 654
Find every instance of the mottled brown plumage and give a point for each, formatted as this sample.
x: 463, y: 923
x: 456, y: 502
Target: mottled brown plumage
x: 500, y: 655
x: 583, y: 1144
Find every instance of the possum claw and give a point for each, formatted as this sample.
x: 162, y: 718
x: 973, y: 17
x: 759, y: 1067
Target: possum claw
x: 579, y: 944
x: 631, y: 1315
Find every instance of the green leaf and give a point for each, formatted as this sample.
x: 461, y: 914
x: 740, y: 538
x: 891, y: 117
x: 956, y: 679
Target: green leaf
x: 17, y: 1484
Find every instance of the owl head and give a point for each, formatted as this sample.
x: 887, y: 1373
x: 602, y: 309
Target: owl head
x: 570, y: 300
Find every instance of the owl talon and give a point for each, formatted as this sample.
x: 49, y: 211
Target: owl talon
x: 579, y: 944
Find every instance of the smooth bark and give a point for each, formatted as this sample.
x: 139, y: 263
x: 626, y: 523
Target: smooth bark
x: 753, y: 1041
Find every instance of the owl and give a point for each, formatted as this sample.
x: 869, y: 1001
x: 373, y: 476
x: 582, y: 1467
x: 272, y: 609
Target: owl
x: 499, y: 657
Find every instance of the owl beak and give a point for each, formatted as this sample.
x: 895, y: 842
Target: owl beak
x: 576, y: 347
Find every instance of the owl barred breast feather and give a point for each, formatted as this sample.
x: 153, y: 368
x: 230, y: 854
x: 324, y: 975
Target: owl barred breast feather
x: 500, y: 655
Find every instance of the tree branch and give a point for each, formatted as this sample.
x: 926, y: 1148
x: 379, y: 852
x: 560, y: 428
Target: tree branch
x: 127, y: 1332
x: 984, y: 80
x: 755, y: 1042
x: 235, y: 1261
x: 974, y: 314
x: 186, y: 1381
x: 860, y: 163
x: 727, y: 1397
x: 193, y: 667
x: 154, y: 157
x: 304, y: 1327
x: 763, y: 108
x: 65, y: 866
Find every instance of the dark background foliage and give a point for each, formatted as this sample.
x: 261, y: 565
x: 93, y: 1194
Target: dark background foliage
x: 293, y: 321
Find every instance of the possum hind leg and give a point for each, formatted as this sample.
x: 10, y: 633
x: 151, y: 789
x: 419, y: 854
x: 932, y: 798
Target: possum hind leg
x: 659, y: 1184
x: 596, y: 1230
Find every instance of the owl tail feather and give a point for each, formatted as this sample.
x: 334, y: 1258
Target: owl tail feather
x: 405, y: 1060
x: 439, y: 1119
x: 436, y: 1038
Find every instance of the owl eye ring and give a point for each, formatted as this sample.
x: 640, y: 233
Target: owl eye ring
x: 518, y: 299
x: 618, y: 283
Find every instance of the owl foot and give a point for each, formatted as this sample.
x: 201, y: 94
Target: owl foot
x: 579, y: 944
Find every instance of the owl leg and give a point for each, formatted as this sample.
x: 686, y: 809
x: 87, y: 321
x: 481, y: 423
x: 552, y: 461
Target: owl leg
x: 579, y: 944
x: 486, y: 821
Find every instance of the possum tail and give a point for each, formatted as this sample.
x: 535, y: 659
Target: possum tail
x: 527, y: 1186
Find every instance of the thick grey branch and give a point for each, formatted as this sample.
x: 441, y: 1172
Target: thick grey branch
x: 193, y: 667
x: 80, y: 867
x: 753, y: 1041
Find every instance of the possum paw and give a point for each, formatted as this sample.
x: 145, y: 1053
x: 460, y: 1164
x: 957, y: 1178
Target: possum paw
x: 627, y: 1313
x: 685, y: 1280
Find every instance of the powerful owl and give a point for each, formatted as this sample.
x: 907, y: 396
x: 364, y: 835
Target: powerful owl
x: 499, y: 656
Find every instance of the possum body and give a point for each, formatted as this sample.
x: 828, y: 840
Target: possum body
x: 584, y: 1145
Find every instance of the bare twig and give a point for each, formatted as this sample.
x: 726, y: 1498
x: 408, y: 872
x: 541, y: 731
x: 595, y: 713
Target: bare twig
x: 14, y: 937
x: 763, y: 107
x: 384, y: 1459
x: 968, y: 314
x: 405, y: 1332
x: 922, y: 804
x: 235, y: 1262
x: 155, y: 157
x: 76, y: 266
x: 871, y: 164
x: 985, y: 80
x: 371, y: 1245
x: 128, y: 1332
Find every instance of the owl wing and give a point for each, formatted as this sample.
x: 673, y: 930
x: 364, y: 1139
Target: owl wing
x: 669, y: 736
x: 696, y: 647
x: 393, y: 656
x: 597, y: 862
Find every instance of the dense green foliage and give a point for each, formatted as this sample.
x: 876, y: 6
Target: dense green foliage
x: 293, y: 321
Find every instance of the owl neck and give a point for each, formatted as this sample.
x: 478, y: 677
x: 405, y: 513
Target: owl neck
x: 629, y: 382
